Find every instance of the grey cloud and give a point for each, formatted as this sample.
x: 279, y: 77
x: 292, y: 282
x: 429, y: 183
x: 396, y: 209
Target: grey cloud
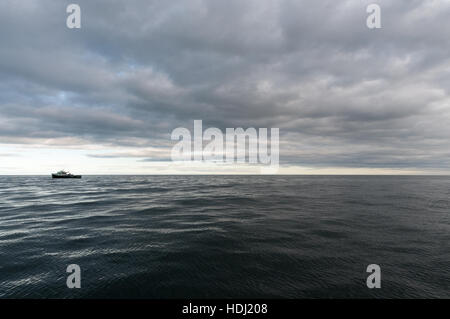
x: 341, y: 94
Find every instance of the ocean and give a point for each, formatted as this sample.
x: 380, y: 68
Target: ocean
x: 225, y: 236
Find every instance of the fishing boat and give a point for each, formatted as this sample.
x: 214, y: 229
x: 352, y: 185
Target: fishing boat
x: 64, y: 174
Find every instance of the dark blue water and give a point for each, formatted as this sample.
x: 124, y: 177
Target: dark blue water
x: 223, y: 236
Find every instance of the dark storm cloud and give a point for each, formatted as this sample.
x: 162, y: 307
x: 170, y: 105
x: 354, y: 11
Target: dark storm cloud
x: 341, y: 94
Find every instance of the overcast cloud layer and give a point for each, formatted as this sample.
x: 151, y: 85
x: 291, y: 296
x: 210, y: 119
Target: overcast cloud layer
x: 342, y: 95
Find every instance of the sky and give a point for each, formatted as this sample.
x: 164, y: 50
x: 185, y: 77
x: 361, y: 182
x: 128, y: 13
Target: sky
x: 104, y: 99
